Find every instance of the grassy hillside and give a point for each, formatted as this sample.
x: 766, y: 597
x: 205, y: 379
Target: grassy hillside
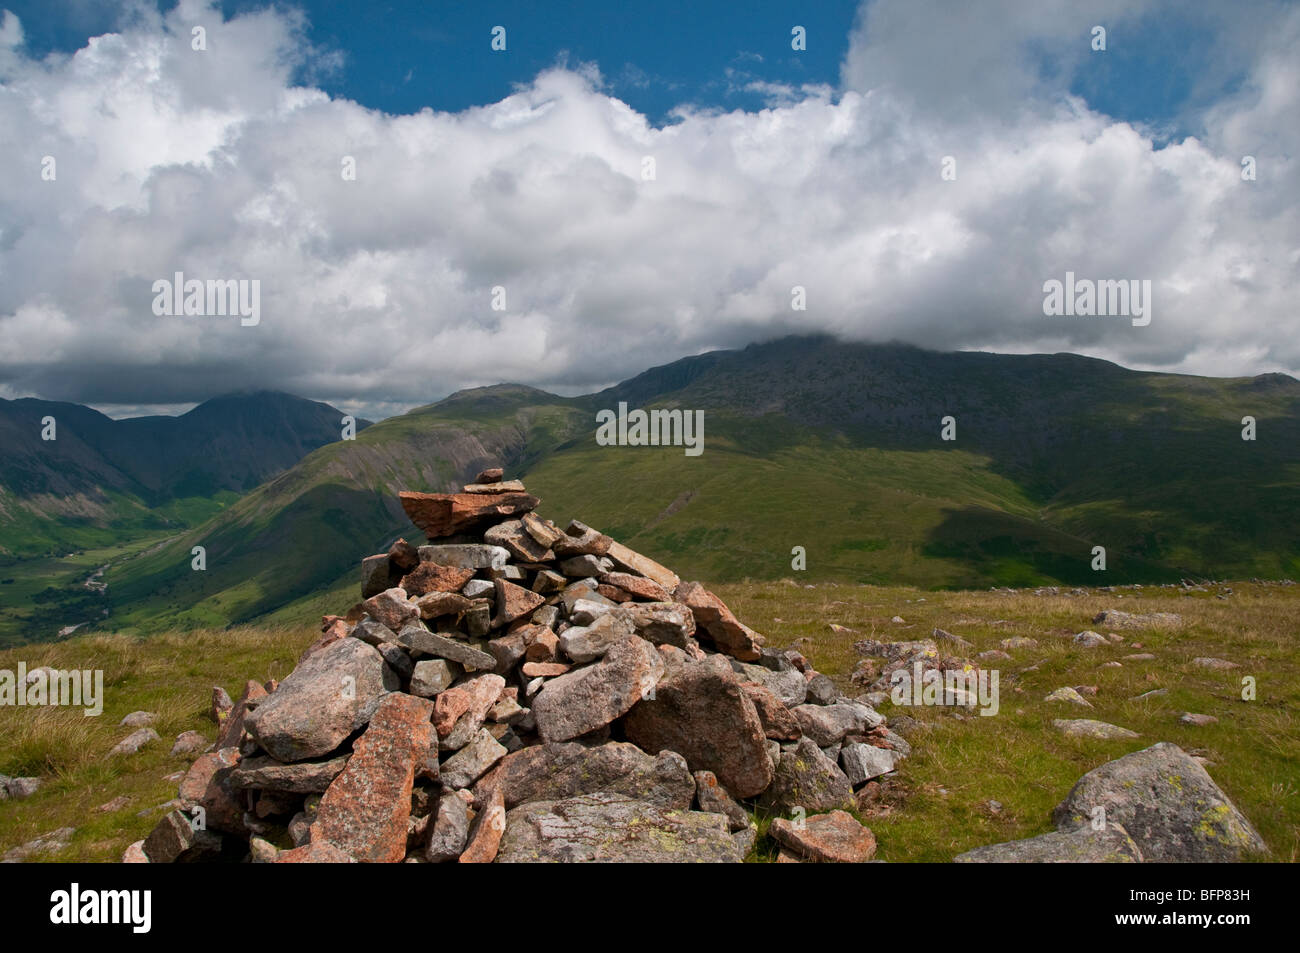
x: 937, y: 806
x: 808, y: 442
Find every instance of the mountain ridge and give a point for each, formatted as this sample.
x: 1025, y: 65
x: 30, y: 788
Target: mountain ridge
x: 1054, y: 454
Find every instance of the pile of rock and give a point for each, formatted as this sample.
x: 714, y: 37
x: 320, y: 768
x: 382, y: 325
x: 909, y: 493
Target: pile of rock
x: 514, y: 691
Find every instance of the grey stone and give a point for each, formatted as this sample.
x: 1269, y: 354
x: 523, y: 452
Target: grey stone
x: 420, y: 639
x: 821, y: 690
x: 1088, y: 728
x: 330, y: 695
x: 1081, y: 846
x: 590, y: 697
x: 134, y: 741
x: 586, y: 643
x: 828, y: 724
x: 432, y: 676
x: 466, y: 555
x: 863, y: 762
x: 450, y: 830
x: 470, y: 763
x: 479, y: 589
x: 806, y: 778
x: 1167, y: 803
x: 790, y: 686
x: 614, y: 828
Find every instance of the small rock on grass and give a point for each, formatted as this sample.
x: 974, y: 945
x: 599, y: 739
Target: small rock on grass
x: 835, y: 837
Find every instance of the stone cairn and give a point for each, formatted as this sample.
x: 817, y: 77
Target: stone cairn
x: 517, y: 692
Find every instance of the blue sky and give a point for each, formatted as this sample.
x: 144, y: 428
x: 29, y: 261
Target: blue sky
x: 401, y: 57
x: 525, y: 170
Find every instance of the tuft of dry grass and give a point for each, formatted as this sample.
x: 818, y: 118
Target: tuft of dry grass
x: 170, y: 675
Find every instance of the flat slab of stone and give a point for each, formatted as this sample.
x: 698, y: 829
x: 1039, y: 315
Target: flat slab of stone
x: 614, y: 828
x: 633, y: 561
x: 1082, y: 846
x: 559, y: 770
x: 421, y: 639
x: 834, y: 838
x: 449, y: 514
x: 304, y: 777
x: 1088, y: 728
x: 1115, y: 619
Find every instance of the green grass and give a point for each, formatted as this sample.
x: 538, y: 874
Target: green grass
x: 937, y: 806
x: 169, y: 674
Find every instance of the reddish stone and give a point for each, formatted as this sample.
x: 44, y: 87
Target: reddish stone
x: 834, y: 838
x: 778, y: 721
x: 700, y: 710
x: 642, y: 588
x: 365, y: 809
x: 448, y: 514
x: 542, y: 644
x: 338, y: 629
x: 728, y: 633
x: 514, y: 602
x: 474, y: 695
x: 490, y: 475
x: 317, y: 852
x: 544, y: 669
x: 433, y: 577
x: 613, y: 593
x: 403, y: 556
x: 485, y: 834
x: 207, y: 785
x: 392, y: 608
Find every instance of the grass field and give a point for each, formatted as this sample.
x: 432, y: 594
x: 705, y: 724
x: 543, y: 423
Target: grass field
x: 937, y: 804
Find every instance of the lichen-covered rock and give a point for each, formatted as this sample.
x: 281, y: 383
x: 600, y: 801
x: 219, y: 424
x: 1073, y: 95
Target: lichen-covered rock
x: 806, y: 778
x: 1167, y: 803
x: 1089, y: 728
x: 614, y: 828
x: 555, y: 771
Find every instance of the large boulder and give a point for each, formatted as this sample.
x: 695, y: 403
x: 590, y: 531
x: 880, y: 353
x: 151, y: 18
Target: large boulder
x: 591, y: 697
x: 614, y: 828
x: 325, y: 699
x: 365, y: 809
x: 701, y: 711
x: 549, y: 772
x: 1167, y: 803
